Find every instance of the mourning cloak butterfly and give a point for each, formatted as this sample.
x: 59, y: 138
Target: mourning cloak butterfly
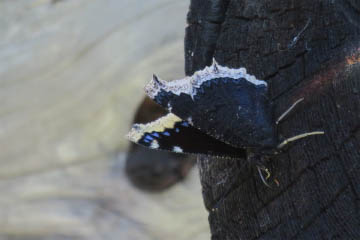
x: 217, y: 111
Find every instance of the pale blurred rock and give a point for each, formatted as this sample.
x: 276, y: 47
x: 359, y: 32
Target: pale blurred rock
x: 71, y: 75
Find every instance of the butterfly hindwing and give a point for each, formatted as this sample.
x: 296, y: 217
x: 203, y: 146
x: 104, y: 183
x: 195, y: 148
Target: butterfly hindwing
x: 174, y: 134
x: 227, y: 104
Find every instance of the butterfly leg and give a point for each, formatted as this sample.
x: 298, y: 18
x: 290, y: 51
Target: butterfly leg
x: 297, y: 137
x: 288, y: 110
x: 258, y: 159
x: 262, y: 169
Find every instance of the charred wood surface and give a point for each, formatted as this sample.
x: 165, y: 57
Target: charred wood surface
x: 304, y: 49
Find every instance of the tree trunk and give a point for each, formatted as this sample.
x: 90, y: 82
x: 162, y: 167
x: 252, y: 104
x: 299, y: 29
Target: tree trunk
x: 308, y: 49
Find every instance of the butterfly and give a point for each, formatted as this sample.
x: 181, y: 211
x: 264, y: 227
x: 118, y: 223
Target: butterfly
x: 218, y: 111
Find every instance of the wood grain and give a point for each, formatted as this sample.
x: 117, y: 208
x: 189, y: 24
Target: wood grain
x: 71, y: 76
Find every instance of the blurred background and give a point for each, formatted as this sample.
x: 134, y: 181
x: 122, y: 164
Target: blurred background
x: 71, y: 79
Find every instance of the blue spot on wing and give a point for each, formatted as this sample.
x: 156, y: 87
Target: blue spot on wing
x: 177, y: 130
x: 149, y: 138
x: 185, y: 124
x: 155, y: 134
x: 166, y: 133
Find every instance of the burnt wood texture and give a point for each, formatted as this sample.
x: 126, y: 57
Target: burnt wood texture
x: 303, y: 49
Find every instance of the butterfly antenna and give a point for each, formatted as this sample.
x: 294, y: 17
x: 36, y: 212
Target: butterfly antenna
x: 288, y: 110
x: 297, y: 137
